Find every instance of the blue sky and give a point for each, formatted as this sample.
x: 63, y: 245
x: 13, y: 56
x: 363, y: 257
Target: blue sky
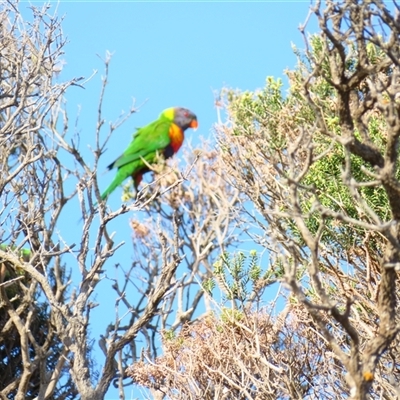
x: 167, y: 54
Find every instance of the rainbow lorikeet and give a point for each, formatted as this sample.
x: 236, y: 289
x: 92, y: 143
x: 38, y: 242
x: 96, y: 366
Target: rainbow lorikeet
x: 161, y: 137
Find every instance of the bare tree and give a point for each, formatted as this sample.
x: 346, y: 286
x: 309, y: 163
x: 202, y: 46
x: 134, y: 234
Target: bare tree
x: 30, y: 347
x: 46, y: 349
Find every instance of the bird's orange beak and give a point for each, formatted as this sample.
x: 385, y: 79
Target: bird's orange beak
x: 194, y: 124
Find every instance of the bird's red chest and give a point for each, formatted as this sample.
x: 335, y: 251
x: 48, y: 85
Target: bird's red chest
x: 177, y: 136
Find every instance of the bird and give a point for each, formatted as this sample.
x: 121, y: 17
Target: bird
x: 162, y: 137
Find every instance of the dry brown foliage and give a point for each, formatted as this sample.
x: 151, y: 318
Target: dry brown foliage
x: 241, y: 356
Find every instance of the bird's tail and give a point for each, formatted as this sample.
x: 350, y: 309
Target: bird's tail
x: 114, y: 184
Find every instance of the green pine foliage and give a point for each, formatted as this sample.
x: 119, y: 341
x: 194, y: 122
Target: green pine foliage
x: 240, y: 276
x: 267, y: 115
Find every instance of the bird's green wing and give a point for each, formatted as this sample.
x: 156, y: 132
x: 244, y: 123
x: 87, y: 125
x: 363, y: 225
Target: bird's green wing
x: 24, y: 254
x: 150, y: 139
